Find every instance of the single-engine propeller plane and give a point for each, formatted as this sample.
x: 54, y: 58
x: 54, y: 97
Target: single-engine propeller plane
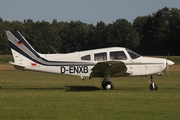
x: 105, y: 62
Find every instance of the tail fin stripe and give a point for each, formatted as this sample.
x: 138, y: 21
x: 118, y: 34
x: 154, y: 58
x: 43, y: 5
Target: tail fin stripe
x: 21, y: 39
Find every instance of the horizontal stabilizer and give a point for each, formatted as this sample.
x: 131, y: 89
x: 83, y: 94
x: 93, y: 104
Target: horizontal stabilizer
x: 17, y: 66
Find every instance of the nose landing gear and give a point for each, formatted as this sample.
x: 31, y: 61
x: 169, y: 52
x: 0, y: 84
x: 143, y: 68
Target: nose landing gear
x: 153, y: 86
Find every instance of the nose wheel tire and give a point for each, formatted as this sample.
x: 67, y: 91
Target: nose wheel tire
x: 106, y: 85
x: 153, y: 86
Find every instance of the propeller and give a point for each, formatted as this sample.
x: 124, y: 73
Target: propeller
x: 167, y: 65
x: 168, y: 62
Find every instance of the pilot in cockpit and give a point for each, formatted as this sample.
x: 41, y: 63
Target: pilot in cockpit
x: 117, y: 56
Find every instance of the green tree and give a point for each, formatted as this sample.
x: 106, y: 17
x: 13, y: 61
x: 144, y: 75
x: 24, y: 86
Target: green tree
x: 4, y: 46
x: 101, y: 37
x: 174, y: 37
x: 1, y: 20
x: 142, y: 25
x: 74, y: 36
x: 124, y: 34
x: 157, y: 30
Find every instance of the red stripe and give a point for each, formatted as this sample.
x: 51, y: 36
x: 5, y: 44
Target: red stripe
x: 20, y: 43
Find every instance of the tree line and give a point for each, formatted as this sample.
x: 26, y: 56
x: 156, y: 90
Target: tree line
x: 155, y: 34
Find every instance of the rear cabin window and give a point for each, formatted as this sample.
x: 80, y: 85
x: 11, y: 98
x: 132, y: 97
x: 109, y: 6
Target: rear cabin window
x: 100, y: 56
x: 118, y: 55
x: 86, y: 57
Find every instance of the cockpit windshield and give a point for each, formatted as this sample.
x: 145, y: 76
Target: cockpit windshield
x: 132, y: 54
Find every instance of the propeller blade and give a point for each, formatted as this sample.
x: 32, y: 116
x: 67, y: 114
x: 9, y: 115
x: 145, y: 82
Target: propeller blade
x: 167, y: 67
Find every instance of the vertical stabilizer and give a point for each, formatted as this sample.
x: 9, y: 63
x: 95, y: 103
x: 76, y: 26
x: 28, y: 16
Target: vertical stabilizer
x: 20, y: 48
x: 24, y: 54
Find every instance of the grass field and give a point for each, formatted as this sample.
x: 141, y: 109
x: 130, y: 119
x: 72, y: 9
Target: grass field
x: 35, y: 95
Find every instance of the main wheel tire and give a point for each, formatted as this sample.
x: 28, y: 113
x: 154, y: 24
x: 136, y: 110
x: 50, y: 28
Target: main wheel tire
x: 107, y: 85
x: 153, y: 88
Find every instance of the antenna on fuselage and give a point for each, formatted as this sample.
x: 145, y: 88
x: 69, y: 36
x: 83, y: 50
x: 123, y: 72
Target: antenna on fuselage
x: 53, y: 49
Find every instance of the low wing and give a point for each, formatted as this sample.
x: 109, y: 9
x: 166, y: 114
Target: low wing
x: 112, y: 68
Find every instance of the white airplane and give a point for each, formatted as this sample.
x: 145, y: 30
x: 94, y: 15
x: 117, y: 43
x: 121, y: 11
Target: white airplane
x: 105, y: 62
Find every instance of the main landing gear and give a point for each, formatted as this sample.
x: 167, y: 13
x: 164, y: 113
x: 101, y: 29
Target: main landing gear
x: 106, y: 83
x: 153, y: 86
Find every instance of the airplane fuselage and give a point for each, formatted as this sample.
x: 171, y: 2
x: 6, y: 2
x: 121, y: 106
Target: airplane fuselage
x: 81, y: 63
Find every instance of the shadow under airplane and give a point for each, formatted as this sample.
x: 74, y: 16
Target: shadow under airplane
x: 82, y: 88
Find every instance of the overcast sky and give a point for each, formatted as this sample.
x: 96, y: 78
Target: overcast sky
x: 87, y: 11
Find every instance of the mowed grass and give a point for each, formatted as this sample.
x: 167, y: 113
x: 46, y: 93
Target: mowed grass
x: 35, y: 95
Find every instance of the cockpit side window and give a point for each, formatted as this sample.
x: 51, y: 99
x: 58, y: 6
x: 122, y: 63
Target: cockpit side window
x: 86, y: 57
x: 133, y: 54
x: 100, y: 56
x: 118, y: 55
